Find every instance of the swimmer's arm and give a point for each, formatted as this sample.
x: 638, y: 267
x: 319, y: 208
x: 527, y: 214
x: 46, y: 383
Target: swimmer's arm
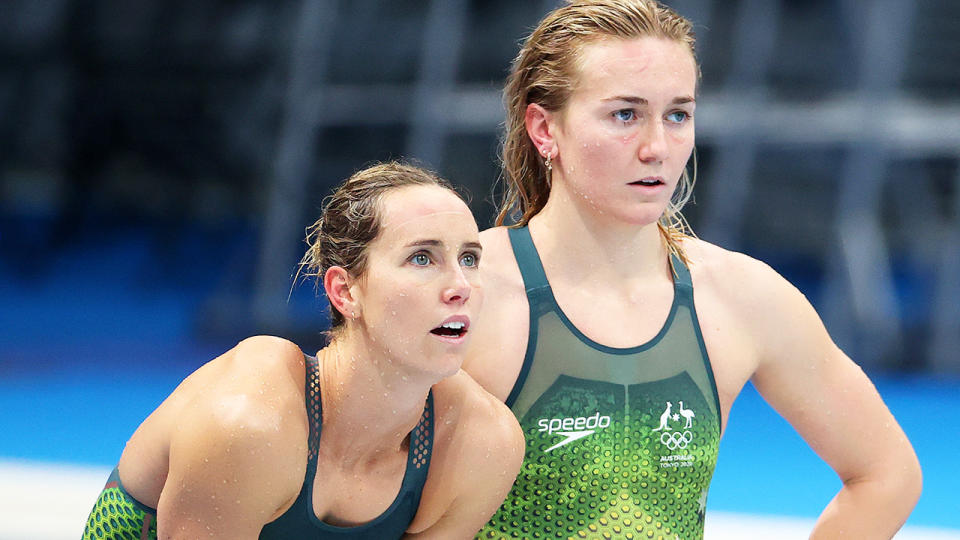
x: 835, y: 408
x: 229, y: 473
x: 486, y: 462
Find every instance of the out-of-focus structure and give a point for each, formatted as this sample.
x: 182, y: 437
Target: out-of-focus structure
x: 828, y: 145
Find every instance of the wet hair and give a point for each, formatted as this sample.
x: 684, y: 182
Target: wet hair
x: 546, y: 71
x: 350, y: 221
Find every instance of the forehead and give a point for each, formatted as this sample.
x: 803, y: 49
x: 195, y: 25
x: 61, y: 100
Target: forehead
x: 412, y: 208
x: 626, y: 66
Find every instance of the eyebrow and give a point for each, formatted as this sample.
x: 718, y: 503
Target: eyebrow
x: 433, y: 243
x: 641, y: 101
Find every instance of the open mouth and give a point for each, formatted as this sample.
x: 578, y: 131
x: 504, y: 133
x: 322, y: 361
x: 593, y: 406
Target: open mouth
x: 453, y: 329
x: 647, y: 182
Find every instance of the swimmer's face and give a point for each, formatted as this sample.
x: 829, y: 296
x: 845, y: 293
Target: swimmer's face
x: 421, y: 289
x: 626, y: 133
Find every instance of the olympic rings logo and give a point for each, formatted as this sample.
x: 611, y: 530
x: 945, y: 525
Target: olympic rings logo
x: 674, y: 439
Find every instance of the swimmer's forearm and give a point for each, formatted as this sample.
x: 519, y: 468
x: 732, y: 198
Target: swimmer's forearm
x: 868, y: 509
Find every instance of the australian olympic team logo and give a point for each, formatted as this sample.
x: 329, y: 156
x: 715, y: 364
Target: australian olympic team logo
x: 675, y: 434
x: 676, y: 439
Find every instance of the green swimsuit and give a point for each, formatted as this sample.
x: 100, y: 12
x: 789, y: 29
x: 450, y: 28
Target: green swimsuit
x: 620, y: 443
x: 118, y: 516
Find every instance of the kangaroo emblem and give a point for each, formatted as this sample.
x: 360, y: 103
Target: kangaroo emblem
x: 688, y: 414
x: 664, y: 418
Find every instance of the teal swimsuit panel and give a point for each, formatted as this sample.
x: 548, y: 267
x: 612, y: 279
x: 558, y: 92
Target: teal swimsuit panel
x: 620, y: 443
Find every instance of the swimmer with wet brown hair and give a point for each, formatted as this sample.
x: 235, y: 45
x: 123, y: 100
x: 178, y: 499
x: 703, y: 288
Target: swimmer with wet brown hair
x: 380, y: 435
x: 618, y: 338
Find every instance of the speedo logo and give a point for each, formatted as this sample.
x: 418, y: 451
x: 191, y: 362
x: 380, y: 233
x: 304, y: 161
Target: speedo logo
x: 572, y: 429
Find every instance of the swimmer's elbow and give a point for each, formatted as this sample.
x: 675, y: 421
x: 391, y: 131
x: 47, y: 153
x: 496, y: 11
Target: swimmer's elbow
x: 911, y: 480
x: 899, y: 484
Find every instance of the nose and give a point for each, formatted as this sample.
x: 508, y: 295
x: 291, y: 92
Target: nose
x: 458, y: 289
x: 653, y: 148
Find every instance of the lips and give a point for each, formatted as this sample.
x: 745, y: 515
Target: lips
x: 454, y: 327
x: 652, y: 181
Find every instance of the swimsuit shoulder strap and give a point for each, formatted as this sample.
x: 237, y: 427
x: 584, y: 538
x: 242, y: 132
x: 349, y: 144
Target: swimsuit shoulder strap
x: 531, y: 268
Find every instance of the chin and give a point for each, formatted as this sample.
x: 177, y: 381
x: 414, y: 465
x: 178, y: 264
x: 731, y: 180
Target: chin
x: 450, y: 367
x: 440, y: 366
x: 447, y: 365
x: 641, y: 218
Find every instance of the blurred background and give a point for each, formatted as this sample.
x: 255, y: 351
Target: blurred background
x: 159, y: 161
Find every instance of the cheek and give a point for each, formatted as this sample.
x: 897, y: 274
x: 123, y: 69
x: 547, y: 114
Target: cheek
x: 683, y: 140
x: 399, y: 302
x: 389, y: 302
x: 596, y: 155
x: 686, y: 152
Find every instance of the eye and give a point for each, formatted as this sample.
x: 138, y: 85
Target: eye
x: 420, y: 259
x: 470, y: 260
x: 625, y: 115
x: 678, y: 117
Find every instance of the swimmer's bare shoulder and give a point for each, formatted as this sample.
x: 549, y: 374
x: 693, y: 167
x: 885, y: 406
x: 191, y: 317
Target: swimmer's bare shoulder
x: 478, y: 449
x: 496, y: 349
x: 758, y: 326
x: 228, y: 447
x: 752, y: 319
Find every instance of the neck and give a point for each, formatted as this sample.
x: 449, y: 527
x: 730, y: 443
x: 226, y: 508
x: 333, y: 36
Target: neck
x: 582, y: 245
x: 370, y: 404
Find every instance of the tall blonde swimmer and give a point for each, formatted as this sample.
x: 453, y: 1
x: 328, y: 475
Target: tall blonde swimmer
x: 620, y: 340
x: 380, y: 435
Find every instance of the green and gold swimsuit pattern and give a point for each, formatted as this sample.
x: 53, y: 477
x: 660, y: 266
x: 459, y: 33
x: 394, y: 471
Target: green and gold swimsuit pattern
x: 620, y: 443
x: 118, y: 516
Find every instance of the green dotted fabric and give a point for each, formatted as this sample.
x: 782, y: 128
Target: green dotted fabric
x: 116, y: 517
x: 645, y: 475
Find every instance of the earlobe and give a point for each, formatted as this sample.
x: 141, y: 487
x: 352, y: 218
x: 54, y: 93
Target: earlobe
x: 539, y: 124
x: 336, y: 283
